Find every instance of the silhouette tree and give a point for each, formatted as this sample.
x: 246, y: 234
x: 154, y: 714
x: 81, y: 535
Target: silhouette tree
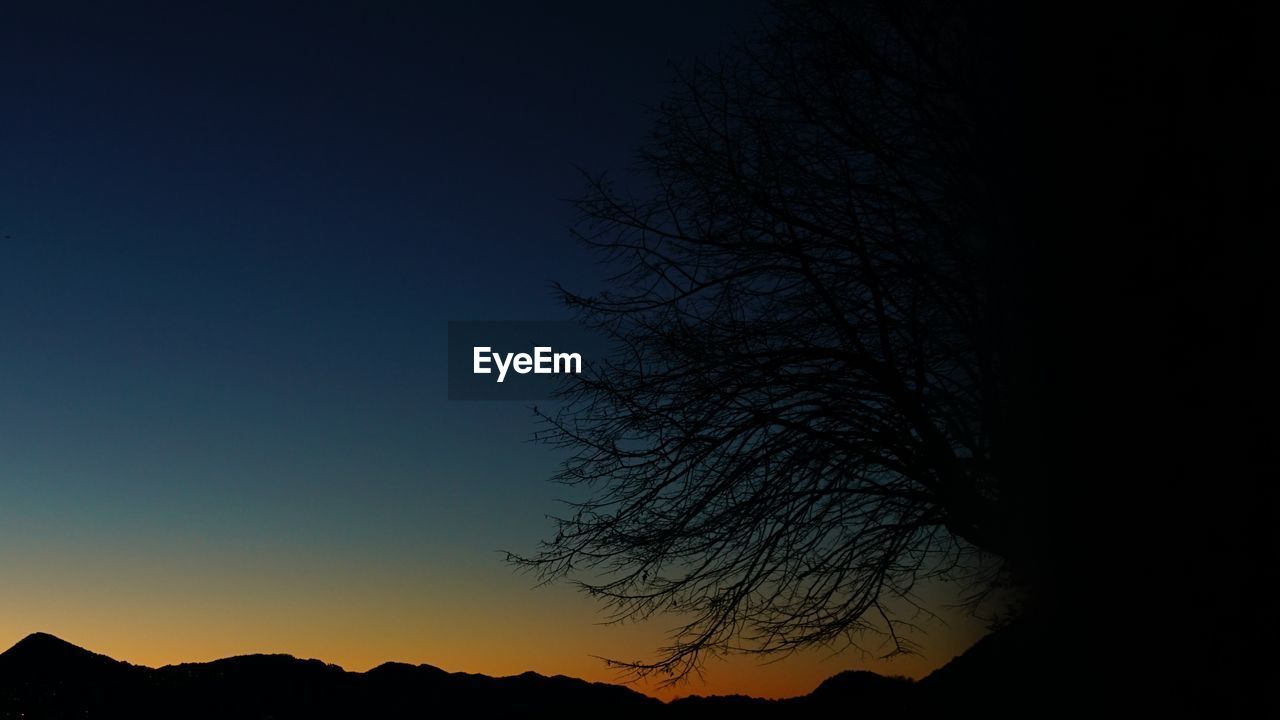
x: 804, y: 418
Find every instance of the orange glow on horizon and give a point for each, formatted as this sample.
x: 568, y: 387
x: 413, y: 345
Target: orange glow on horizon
x: 549, y: 637
x: 196, y: 601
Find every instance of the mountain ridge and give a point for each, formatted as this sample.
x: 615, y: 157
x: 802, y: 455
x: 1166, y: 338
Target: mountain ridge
x: 45, y: 676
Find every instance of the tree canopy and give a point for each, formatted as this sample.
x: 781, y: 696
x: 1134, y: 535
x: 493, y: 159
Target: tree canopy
x: 802, y: 421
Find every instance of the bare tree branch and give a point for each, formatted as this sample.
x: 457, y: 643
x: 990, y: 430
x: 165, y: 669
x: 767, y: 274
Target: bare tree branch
x: 795, y: 431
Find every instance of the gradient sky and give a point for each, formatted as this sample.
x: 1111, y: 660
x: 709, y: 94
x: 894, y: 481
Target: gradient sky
x: 231, y: 240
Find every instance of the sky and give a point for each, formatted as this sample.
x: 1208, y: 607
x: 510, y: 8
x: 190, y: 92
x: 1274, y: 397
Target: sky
x: 230, y: 241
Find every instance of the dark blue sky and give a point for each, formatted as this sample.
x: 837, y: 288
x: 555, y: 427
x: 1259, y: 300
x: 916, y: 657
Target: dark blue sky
x: 232, y: 232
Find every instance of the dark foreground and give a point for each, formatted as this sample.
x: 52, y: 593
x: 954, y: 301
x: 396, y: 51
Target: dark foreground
x: 45, y: 677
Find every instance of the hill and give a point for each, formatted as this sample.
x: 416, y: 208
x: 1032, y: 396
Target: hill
x: 45, y: 677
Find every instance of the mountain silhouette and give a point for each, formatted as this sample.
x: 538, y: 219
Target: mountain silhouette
x: 43, y: 676
x: 41, y: 652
